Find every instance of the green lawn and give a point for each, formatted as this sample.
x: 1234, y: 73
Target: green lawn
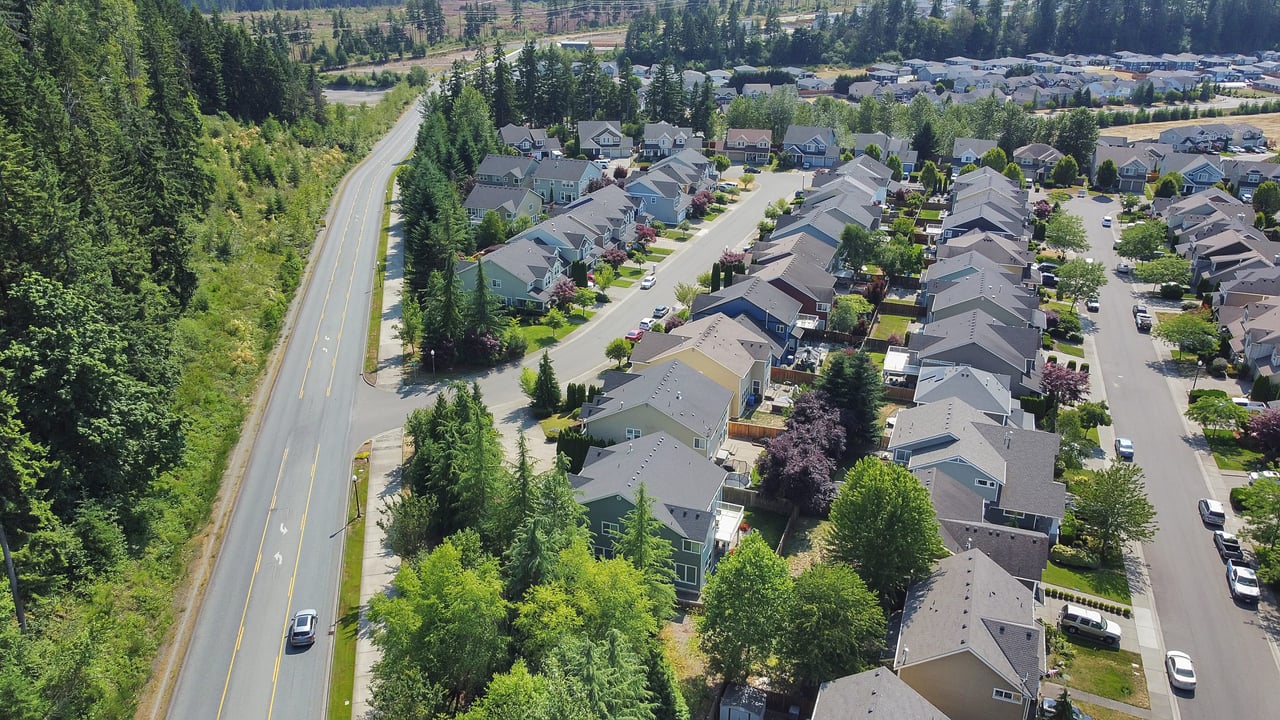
x: 655, y: 250
x: 1112, y: 673
x: 1097, y: 712
x: 1059, y: 196
x: 878, y: 358
x: 629, y: 272
x: 1107, y: 582
x: 888, y: 325
x: 770, y: 525
x: 374, y: 339
x: 1228, y: 453
x: 343, y: 674
x: 1069, y: 348
x: 931, y: 214
x: 552, y: 426
x: 540, y: 336
x: 622, y: 282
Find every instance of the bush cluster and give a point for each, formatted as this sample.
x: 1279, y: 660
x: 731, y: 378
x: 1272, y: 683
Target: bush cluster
x: 1123, y: 610
x: 1075, y: 557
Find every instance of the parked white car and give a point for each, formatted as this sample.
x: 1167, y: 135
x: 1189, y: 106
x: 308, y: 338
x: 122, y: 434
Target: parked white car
x: 1243, y: 582
x: 1181, y: 671
x: 648, y: 282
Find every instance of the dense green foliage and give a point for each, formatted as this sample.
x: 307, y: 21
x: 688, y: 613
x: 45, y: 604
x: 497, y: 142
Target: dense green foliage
x: 503, y: 609
x: 147, y: 255
x: 711, y: 34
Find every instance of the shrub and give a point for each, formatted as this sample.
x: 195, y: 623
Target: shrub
x: 1205, y: 392
x: 1075, y: 337
x: 1053, y: 359
x: 1238, y: 496
x: 894, y: 339
x: 1071, y: 364
x: 1219, y: 366
x: 1172, y: 292
x: 1190, y: 305
x: 1084, y: 368
x: 1074, y: 557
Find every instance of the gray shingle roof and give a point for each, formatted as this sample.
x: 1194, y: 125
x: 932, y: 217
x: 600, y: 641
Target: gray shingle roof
x: 975, y: 145
x: 563, y: 169
x: 684, y: 484
x: 1010, y: 346
x: 992, y: 286
x: 799, y: 245
x: 971, y: 604
x: 1022, y: 553
x: 984, y: 391
x: 734, y: 345
x: 499, y: 165
x: 495, y: 197
x: 876, y: 694
x: 802, y: 275
x: 526, y: 260
x: 755, y: 291
x: 998, y: 248
x: 673, y: 389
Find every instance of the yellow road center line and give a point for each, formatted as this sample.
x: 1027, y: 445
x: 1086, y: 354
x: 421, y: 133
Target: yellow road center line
x: 315, y: 338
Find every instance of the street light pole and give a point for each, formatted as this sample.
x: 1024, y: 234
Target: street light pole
x: 433, y: 363
x: 355, y: 490
x: 1199, y: 365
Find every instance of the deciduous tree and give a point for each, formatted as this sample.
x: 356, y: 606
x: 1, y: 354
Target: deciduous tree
x: 1263, y: 429
x: 1188, y: 332
x: 745, y: 612
x: 1106, y: 175
x: 1167, y: 269
x: 1080, y: 279
x: 1262, y: 525
x: 1142, y: 241
x: 1113, y: 507
x: 1066, y: 171
x: 883, y: 526
x: 1064, y: 231
x: 618, y: 350
x: 1266, y: 198
x: 835, y: 626
x: 1212, y: 412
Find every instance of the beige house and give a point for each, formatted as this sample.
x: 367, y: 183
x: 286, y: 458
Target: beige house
x: 731, y: 352
x: 669, y: 397
x: 970, y: 643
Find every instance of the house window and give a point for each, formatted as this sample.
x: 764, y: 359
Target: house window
x: 633, y: 433
x: 1014, y: 514
x: 691, y: 546
x: 1006, y: 696
x: 824, y: 307
x: 780, y: 328
x: 901, y: 456
x: 495, y: 284
x: 983, y: 482
x: 608, y: 529
x: 605, y: 553
x: 687, y: 574
x: 699, y: 443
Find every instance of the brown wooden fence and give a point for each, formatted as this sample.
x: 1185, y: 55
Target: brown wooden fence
x: 795, y: 377
x: 752, y: 432
x: 749, y: 498
x: 899, y: 394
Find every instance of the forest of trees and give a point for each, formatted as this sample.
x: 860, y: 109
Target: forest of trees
x: 161, y: 179
x: 710, y: 33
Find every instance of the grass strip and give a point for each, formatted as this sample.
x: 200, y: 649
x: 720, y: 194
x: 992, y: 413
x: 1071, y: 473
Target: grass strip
x: 379, y: 282
x: 342, y: 676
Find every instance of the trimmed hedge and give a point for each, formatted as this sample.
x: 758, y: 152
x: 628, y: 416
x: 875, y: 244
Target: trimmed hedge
x: 1238, y: 495
x: 1206, y: 392
x: 1124, y: 610
x: 1075, y: 557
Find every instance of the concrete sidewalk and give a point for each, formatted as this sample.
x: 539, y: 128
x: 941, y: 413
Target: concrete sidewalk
x: 380, y: 566
x: 390, y: 372
x: 1052, y: 690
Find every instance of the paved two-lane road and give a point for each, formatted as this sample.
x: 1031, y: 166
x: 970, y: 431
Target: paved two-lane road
x: 1237, y: 670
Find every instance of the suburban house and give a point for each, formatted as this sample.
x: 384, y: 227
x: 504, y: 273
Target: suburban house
x: 977, y: 339
x: 669, y: 397
x: 817, y: 252
x: 888, y: 146
x: 1134, y: 166
x: 665, y: 191
x: 587, y: 227
x: 563, y: 181
x: 1221, y: 255
x: 1255, y: 335
x: 811, y: 146
x: 997, y: 217
x: 801, y: 279
x: 1009, y: 254
x: 519, y: 273
x: 748, y: 145
x: 986, y: 392
x: 664, y: 139
x: 969, y: 641
x: 506, y: 171
x: 982, y: 180
x: 686, y: 490
x: 508, y: 202
x: 532, y: 142
x: 969, y: 151
x: 1247, y: 287
x: 957, y: 265
x: 1199, y: 172
x: 1184, y: 213
x: 1212, y: 136
x: 1247, y: 175
x: 993, y: 472
x: 603, y: 139
x: 732, y: 352
x: 764, y: 305
x: 1036, y: 160
x: 996, y: 294
x: 875, y: 694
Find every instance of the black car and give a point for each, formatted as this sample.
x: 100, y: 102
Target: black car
x: 751, y: 169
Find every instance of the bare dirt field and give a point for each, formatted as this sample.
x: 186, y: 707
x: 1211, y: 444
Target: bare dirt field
x: 1268, y: 123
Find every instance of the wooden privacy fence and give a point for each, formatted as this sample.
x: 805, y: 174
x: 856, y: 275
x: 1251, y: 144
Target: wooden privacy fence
x: 751, y: 431
x: 795, y: 377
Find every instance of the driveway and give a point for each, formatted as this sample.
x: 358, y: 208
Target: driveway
x: 1231, y: 644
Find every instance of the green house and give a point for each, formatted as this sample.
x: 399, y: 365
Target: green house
x: 686, y: 491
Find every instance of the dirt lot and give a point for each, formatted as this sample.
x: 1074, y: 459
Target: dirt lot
x: 690, y: 666
x: 1268, y: 123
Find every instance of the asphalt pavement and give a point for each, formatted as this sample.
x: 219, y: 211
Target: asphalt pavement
x: 283, y: 545
x: 1232, y: 644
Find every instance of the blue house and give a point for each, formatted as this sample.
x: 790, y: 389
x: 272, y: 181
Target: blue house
x: 767, y: 307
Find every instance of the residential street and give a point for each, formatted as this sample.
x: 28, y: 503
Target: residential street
x: 1238, y: 668
x: 580, y: 356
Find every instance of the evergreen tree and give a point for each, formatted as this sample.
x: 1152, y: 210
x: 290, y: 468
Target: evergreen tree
x: 640, y: 542
x: 546, y: 391
x: 854, y: 386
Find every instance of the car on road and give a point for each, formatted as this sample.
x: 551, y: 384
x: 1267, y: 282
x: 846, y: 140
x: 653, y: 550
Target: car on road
x: 648, y: 282
x: 302, y: 631
x: 1092, y: 304
x: 1181, y: 671
x: 1076, y: 620
x: 1242, y: 582
x: 1047, y: 267
x: 1106, y: 221
x: 1228, y: 545
x: 1124, y: 448
x: 661, y: 312
x: 1124, y: 268
x: 1139, y: 310
x: 1212, y: 512
x: 1246, y: 196
x: 1048, y: 280
x: 751, y: 169
x: 647, y: 324
x: 727, y: 186
x: 1143, y: 321
x: 1082, y: 193
x: 634, y: 335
